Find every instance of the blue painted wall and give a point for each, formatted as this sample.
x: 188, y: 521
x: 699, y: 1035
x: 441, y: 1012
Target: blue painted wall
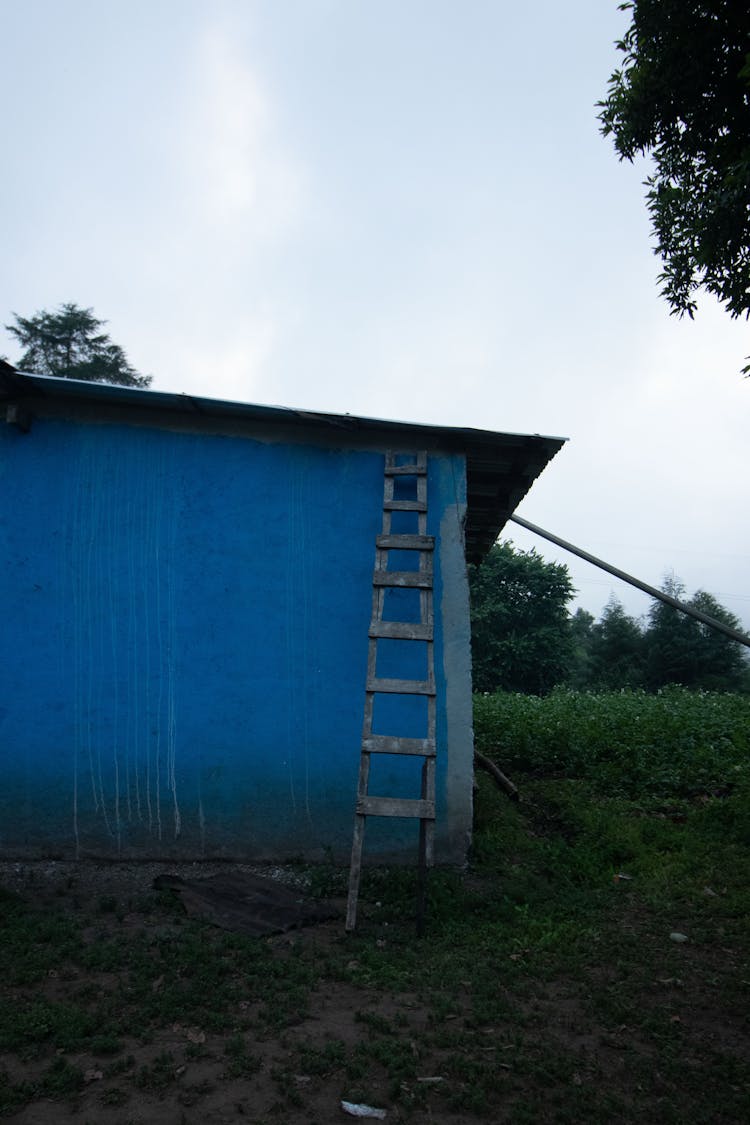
x: 184, y: 642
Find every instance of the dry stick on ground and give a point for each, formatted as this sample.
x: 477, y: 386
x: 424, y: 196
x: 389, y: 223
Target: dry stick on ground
x: 497, y: 775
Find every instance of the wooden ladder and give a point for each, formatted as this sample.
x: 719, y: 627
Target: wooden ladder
x: 412, y: 474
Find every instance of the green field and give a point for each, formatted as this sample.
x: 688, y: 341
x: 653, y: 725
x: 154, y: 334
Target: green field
x: 590, y: 965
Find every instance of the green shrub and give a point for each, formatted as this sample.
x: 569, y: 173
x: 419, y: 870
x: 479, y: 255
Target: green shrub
x: 674, y: 743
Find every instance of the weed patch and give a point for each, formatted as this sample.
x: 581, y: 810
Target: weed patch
x: 548, y: 987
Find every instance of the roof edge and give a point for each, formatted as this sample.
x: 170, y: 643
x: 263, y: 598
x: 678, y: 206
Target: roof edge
x: 500, y: 466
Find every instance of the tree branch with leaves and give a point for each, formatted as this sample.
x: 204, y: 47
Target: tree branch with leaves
x: 682, y: 96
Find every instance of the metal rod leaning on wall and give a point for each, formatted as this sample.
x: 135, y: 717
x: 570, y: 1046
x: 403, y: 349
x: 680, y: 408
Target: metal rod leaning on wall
x: 650, y: 590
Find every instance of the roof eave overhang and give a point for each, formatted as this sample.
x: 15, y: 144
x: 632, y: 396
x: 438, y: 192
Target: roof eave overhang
x: 500, y: 467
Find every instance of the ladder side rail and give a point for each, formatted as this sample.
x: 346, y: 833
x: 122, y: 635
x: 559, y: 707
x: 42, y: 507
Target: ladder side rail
x: 423, y: 580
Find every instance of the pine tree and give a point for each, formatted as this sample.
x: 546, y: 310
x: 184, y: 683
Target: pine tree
x: 69, y: 344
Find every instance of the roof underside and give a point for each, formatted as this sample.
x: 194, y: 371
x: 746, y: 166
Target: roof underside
x: 500, y: 467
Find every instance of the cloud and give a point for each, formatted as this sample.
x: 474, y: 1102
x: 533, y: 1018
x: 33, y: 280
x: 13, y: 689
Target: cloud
x: 229, y: 365
x: 210, y: 312
x: 241, y: 177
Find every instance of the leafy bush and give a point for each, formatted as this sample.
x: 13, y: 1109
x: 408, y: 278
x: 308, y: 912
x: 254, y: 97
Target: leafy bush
x: 673, y: 743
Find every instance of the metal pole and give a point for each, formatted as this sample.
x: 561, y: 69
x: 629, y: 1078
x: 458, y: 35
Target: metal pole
x: 704, y: 618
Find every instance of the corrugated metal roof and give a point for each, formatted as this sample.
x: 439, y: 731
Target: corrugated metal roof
x: 501, y: 467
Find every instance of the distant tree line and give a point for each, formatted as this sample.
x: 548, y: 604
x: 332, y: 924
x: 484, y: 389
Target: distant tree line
x: 524, y: 639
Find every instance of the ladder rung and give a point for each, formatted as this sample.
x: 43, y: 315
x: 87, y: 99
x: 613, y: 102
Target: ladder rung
x: 405, y: 505
x: 401, y: 687
x: 406, y: 542
x: 401, y: 630
x: 388, y: 744
x: 406, y: 470
x: 395, y: 806
x: 420, y: 578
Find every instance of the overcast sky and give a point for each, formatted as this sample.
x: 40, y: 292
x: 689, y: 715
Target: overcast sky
x: 399, y: 208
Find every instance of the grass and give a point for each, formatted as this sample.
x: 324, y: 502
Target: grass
x: 548, y: 987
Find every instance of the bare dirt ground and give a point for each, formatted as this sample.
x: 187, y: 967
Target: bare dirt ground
x: 182, y: 1073
x: 602, y: 1044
